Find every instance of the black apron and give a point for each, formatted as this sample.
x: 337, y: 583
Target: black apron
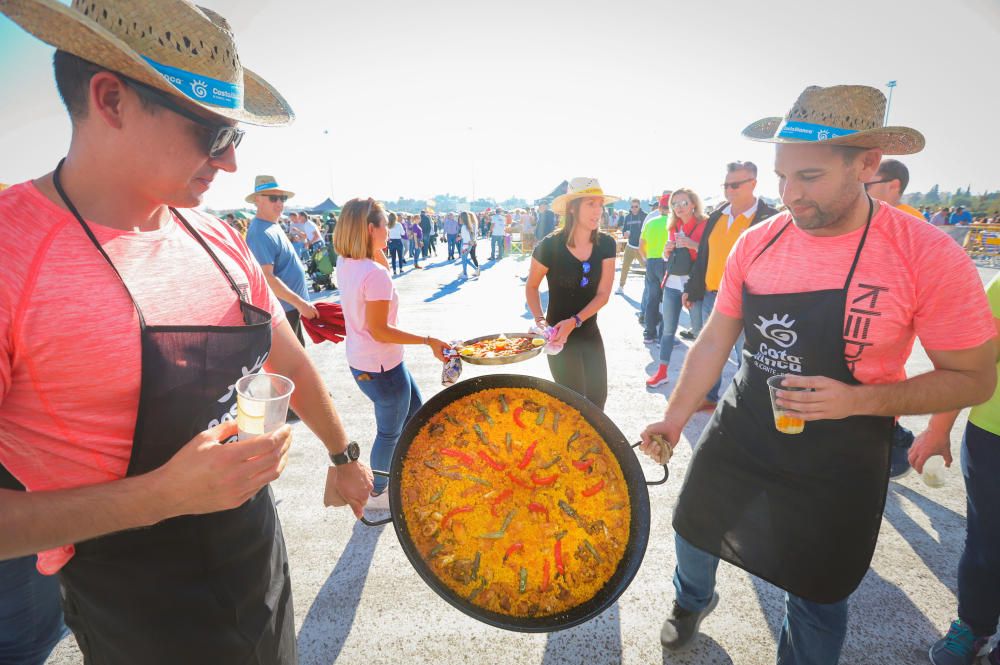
x: 210, y: 589
x: 801, y: 511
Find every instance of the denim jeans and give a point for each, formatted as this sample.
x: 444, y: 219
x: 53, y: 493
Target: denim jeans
x: 707, y: 304
x: 396, y: 398
x: 670, y: 310
x: 454, y: 245
x: 466, y: 261
x: 812, y: 633
x: 979, y: 567
x: 496, y: 246
x: 31, y: 618
x: 414, y: 252
x: 651, y: 314
x: 396, y: 253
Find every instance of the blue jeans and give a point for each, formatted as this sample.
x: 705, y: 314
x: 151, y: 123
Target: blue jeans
x: 979, y: 567
x: 670, y: 310
x: 466, y: 261
x: 454, y: 245
x: 496, y: 247
x: 651, y: 313
x: 706, y: 305
x: 414, y: 252
x: 31, y: 618
x: 396, y: 253
x: 812, y: 633
x: 396, y: 398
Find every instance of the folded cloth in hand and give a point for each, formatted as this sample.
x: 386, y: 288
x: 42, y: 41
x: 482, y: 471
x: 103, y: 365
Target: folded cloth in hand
x: 329, y: 325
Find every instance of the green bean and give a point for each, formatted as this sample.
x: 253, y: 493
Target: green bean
x: 483, y: 410
x: 435, y: 551
x: 478, y: 481
x: 437, y: 496
x: 510, y: 447
x: 503, y: 404
x: 574, y: 437
x: 590, y: 548
x: 475, y: 565
x: 541, y: 416
x: 481, y: 434
x: 551, y: 462
x: 555, y: 421
x: 450, y: 418
x: 522, y: 584
x: 478, y: 589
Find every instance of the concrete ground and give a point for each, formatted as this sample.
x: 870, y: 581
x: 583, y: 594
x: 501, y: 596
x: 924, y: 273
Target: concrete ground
x: 357, y: 600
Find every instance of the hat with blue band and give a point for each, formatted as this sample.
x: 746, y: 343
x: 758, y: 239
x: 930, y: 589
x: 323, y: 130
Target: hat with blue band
x: 172, y: 45
x: 266, y: 184
x: 847, y: 115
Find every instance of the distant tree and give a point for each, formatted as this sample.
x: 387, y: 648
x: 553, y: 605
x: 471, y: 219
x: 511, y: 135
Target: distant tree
x: 933, y: 196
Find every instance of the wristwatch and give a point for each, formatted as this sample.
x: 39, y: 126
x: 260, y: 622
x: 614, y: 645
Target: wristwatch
x: 352, y: 454
x: 579, y: 321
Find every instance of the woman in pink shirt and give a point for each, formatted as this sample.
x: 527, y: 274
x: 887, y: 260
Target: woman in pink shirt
x: 374, y: 343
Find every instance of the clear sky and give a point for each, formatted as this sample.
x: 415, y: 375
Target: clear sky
x: 415, y: 99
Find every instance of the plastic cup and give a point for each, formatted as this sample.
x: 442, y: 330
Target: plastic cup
x: 934, y: 472
x: 785, y: 420
x: 262, y: 403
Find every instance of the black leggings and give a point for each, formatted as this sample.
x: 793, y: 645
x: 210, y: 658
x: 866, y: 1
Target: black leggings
x: 582, y: 366
x: 472, y: 255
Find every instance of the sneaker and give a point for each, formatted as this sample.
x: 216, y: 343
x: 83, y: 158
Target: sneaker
x: 477, y: 272
x: 378, y: 501
x: 659, y: 378
x: 688, y: 335
x: 650, y: 341
x: 992, y: 658
x: 620, y: 290
x: 958, y: 647
x: 899, y: 463
x: 682, y: 625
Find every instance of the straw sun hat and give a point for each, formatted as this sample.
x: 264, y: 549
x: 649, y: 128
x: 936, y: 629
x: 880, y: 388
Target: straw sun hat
x: 580, y: 188
x: 849, y: 115
x: 173, y: 45
x: 266, y: 184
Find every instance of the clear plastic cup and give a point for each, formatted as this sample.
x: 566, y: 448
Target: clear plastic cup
x: 786, y: 421
x: 934, y: 472
x: 262, y: 403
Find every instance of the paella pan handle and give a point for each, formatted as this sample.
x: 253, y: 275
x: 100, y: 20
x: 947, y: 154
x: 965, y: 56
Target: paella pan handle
x: 666, y: 471
x: 388, y: 519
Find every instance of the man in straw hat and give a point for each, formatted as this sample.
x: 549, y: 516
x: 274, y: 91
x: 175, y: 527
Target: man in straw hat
x: 788, y: 480
x: 115, y: 401
x: 276, y: 254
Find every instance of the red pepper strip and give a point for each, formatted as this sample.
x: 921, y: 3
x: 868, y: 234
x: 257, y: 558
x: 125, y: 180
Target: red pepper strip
x: 517, y: 417
x: 492, y: 463
x: 464, y: 458
x: 546, y: 480
x: 545, y: 576
x: 583, y: 465
x: 523, y: 464
x: 591, y: 491
x: 516, y: 547
x: 559, y: 559
x: 452, y: 513
x: 538, y: 508
x: 517, y: 481
x: 503, y: 496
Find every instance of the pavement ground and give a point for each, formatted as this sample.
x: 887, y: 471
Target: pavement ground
x: 358, y: 601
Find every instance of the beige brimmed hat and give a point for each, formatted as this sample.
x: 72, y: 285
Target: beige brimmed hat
x: 266, y: 184
x: 580, y: 188
x: 850, y: 115
x: 173, y: 45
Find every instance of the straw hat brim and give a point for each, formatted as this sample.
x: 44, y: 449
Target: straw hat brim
x: 252, y: 196
x: 66, y: 29
x: 559, y: 203
x: 891, y: 140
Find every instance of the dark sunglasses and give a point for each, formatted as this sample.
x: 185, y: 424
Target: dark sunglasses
x: 877, y: 182
x: 218, y: 138
x: 735, y: 185
x: 276, y: 197
x: 586, y: 271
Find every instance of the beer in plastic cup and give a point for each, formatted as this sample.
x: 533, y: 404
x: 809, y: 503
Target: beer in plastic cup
x: 262, y: 403
x: 786, y: 422
x: 934, y: 470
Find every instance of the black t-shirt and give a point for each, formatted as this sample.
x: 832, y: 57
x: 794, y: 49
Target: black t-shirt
x: 566, y: 272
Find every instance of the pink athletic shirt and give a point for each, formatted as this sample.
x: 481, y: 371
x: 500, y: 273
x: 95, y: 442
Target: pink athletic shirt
x: 912, y: 281
x: 69, y: 336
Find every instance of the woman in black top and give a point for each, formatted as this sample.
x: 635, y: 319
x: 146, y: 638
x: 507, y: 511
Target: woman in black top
x: 579, y: 263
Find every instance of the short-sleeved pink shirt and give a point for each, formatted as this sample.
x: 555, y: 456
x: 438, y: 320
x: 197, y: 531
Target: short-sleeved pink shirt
x: 912, y: 281
x: 361, y: 281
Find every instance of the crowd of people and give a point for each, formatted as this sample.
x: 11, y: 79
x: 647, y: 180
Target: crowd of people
x: 159, y: 523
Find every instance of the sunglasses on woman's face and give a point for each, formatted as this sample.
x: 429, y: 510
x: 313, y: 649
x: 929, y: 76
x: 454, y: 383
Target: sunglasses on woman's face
x: 216, y: 137
x: 586, y: 271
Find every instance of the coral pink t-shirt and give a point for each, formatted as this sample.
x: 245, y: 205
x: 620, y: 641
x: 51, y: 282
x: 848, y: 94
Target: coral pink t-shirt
x: 361, y: 281
x: 70, y: 358
x: 912, y: 281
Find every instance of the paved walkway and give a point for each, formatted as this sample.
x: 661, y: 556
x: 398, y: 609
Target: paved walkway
x: 358, y: 601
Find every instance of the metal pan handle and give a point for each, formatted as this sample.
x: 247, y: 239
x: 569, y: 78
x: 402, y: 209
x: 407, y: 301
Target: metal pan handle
x: 388, y: 519
x: 666, y: 471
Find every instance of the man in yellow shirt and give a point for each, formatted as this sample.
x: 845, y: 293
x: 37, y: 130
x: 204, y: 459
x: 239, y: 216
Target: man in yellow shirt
x: 889, y: 184
x: 724, y: 226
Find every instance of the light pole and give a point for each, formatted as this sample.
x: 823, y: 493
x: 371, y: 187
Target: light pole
x: 472, y: 160
x: 329, y: 159
x: 890, y: 85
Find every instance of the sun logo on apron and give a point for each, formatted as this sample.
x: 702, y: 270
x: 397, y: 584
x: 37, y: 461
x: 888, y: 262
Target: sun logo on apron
x: 778, y: 330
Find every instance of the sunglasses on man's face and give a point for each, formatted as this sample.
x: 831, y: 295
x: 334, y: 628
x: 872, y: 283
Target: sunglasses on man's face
x: 735, y: 185
x: 216, y: 137
x: 274, y: 198
x: 876, y: 182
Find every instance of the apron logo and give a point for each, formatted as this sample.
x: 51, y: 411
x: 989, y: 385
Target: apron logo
x: 777, y: 360
x: 778, y: 330
x: 258, y: 364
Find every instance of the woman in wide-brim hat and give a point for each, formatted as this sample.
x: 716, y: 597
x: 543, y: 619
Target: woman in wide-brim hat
x: 579, y: 263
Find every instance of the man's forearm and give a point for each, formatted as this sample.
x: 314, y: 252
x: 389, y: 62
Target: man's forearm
x: 313, y: 403
x: 36, y: 521
x: 282, y: 291
x: 934, y: 392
